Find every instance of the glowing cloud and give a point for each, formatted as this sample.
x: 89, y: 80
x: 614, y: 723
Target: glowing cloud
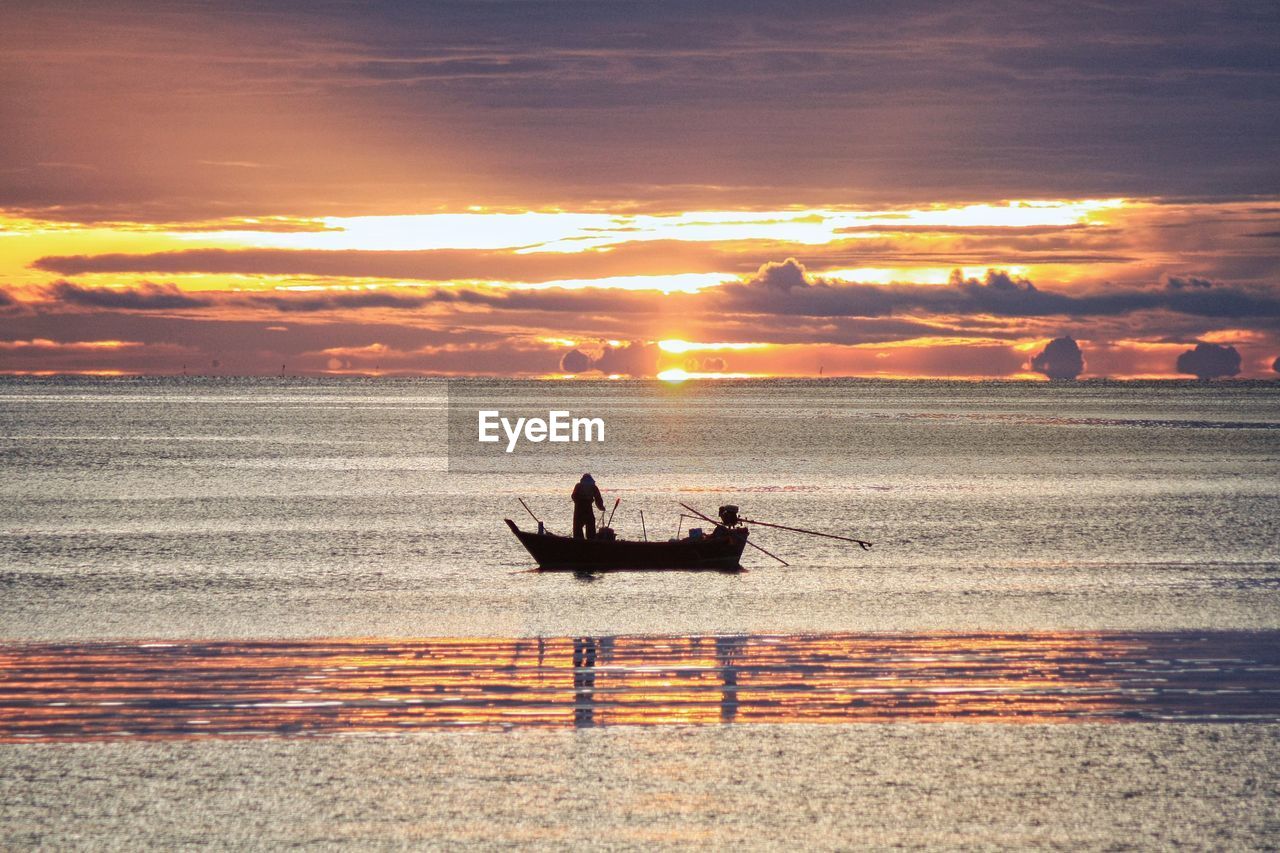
x: 680, y: 347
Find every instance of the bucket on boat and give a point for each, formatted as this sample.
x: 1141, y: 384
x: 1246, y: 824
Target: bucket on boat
x: 695, y: 532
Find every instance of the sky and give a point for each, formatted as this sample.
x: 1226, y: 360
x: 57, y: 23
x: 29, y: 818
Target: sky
x: 529, y: 188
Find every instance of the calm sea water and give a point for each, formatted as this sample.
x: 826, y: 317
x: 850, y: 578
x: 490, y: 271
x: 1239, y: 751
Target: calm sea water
x: 224, y: 508
x: 187, y: 562
x: 129, y: 691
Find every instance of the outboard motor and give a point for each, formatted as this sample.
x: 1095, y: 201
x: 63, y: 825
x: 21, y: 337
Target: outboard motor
x: 729, y: 515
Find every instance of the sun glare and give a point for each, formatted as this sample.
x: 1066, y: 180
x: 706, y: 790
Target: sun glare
x: 679, y: 374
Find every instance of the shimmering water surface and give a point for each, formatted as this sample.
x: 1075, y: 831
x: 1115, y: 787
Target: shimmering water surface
x: 187, y: 561
x: 217, y: 508
x: 113, y: 690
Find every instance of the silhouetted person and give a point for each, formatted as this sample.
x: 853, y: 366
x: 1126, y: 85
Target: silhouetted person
x: 584, y: 518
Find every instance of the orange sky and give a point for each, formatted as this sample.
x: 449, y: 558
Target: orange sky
x: 436, y: 189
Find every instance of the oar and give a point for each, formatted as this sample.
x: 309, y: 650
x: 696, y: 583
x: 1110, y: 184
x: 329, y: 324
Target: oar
x: 749, y: 542
x: 643, y: 530
x: 866, y: 546
x: 609, y: 523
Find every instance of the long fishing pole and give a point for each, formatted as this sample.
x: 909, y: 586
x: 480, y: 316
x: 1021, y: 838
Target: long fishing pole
x: 866, y: 546
x: 526, y: 509
x: 748, y: 541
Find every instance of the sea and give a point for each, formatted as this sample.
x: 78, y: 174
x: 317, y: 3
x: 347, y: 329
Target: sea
x: 257, y: 612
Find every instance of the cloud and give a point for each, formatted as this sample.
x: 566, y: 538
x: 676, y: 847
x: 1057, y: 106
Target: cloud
x: 781, y: 276
x: 487, y: 102
x: 1174, y: 282
x: 1224, y: 302
x: 782, y: 304
x: 657, y: 257
x: 1210, y: 361
x: 575, y: 361
x: 998, y: 294
x: 513, y: 342
x: 308, y: 302
x: 154, y: 297
x: 147, y: 297
x: 706, y: 364
x: 9, y: 306
x: 49, y: 355
x: 47, y: 345
x: 166, y: 343
x: 1194, y: 244
x: 634, y: 358
x: 1060, y: 359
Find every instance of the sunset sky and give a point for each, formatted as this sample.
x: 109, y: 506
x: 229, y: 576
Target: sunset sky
x: 599, y: 188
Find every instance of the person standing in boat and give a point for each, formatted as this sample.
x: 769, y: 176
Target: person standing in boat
x: 585, y: 494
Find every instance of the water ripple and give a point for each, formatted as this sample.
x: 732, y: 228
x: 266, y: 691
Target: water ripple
x: 179, y: 690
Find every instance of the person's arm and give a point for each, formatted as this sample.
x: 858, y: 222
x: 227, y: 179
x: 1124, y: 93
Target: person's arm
x: 599, y: 499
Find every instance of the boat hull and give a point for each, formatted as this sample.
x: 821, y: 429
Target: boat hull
x: 564, y: 554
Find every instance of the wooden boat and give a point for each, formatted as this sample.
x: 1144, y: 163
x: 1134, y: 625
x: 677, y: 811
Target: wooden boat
x: 719, y: 552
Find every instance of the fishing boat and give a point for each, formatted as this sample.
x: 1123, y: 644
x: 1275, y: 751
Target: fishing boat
x: 720, y: 551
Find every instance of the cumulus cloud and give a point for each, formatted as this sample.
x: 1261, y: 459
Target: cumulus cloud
x: 1210, y: 361
x: 781, y: 276
x: 634, y: 358
x: 147, y: 297
x: 1060, y: 359
x: 575, y: 361
x: 998, y: 280
x: 787, y: 289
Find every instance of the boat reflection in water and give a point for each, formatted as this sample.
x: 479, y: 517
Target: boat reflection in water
x: 167, y: 690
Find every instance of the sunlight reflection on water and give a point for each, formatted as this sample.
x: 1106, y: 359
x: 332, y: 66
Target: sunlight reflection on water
x: 178, y: 690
